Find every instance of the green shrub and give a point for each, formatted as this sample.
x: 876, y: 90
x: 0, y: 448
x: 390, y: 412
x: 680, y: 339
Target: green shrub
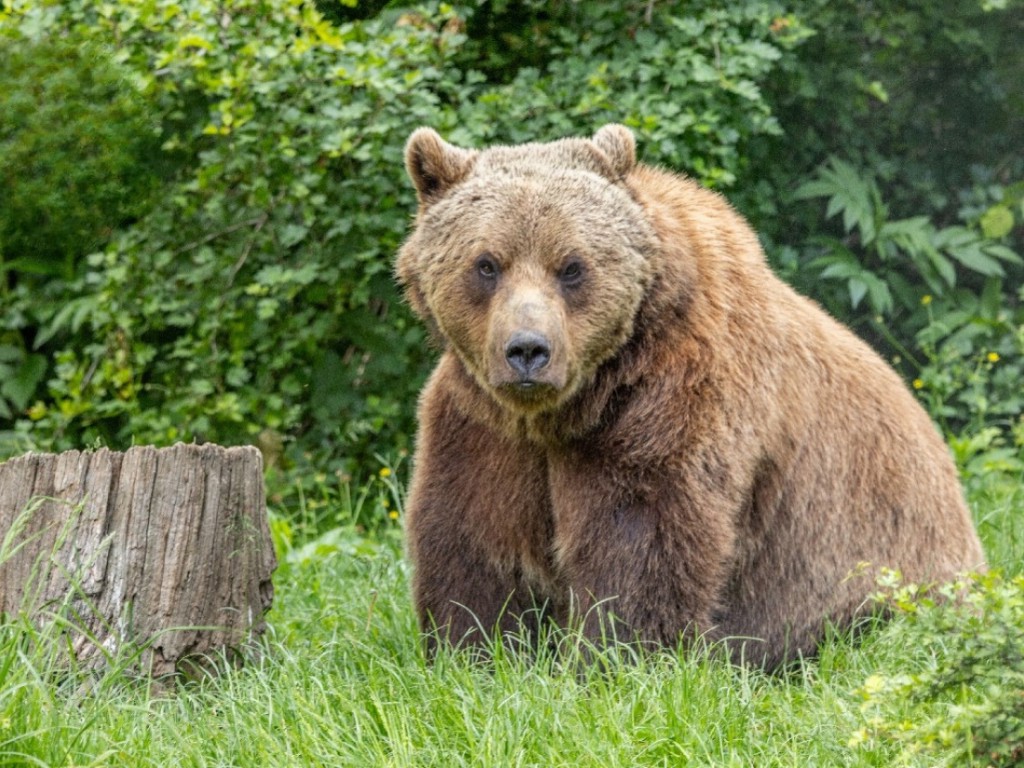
x: 905, y: 117
x: 914, y: 140
x: 79, y: 157
x: 964, y: 703
x: 257, y: 298
x: 945, y: 300
x: 687, y: 79
x: 926, y: 94
x: 76, y: 142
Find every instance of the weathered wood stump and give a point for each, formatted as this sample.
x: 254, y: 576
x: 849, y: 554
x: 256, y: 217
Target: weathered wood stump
x: 166, y: 551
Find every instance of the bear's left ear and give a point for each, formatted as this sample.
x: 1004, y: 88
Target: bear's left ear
x: 434, y: 165
x: 617, y: 143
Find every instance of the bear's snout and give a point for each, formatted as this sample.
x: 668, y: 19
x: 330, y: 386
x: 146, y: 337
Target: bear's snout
x: 527, y: 352
x: 528, y: 362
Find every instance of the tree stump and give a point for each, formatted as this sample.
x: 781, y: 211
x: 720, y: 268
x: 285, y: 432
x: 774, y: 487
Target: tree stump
x: 164, y: 553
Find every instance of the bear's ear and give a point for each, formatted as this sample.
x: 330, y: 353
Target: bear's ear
x: 434, y: 165
x: 616, y: 142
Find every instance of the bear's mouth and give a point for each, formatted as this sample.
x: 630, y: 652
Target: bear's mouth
x: 528, y: 391
x: 531, y: 387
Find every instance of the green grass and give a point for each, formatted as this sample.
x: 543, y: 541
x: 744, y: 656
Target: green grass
x: 342, y: 682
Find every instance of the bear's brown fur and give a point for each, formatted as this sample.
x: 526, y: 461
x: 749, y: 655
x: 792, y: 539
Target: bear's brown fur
x: 635, y: 422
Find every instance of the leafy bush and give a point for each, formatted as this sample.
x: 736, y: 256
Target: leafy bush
x: 926, y: 94
x: 76, y: 142
x: 882, y: 113
x: 79, y: 157
x: 966, y: 701
x: 687, y: 80
x: 258, y: 297
x: 945, y: 300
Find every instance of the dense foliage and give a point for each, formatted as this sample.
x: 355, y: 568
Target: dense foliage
x: 78, y: 159
x: 233, y: 191
x: 255, y: 299
x: 965, y: 700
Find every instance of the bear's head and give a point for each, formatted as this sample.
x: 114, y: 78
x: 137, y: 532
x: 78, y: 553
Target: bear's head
x: 529, y: 262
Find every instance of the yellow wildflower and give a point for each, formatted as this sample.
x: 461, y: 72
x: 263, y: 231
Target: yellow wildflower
x: 393, y: 514
x: 918, y: 384
x: 993, y: 357
x: 926, y: 299
x: 873, y: 685
x: 385, y: 472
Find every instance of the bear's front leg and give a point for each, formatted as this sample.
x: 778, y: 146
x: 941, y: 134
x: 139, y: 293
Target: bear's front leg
x: 646, y: 551
x: 479, y: 528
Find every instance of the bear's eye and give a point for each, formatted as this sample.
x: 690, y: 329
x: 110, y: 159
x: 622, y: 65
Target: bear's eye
x: 486, y: 267
x: 572, y: 273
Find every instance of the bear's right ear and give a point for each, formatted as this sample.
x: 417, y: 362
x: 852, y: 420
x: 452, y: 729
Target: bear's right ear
x: 434, y: 165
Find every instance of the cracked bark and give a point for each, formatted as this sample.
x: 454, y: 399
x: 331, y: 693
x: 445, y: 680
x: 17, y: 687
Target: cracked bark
x: 162, y: 551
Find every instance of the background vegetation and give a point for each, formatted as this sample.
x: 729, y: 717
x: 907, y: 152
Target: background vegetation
x: 202, y: 199
x: 199, y: 205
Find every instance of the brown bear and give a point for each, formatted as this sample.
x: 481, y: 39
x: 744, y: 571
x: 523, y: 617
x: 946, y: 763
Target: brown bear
x: 635, y: 424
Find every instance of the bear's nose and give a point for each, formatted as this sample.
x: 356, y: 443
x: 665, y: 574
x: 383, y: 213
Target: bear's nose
x: 527, y: 352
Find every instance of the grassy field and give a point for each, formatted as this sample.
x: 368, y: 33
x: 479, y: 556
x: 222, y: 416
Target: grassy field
x: 342, y: 682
